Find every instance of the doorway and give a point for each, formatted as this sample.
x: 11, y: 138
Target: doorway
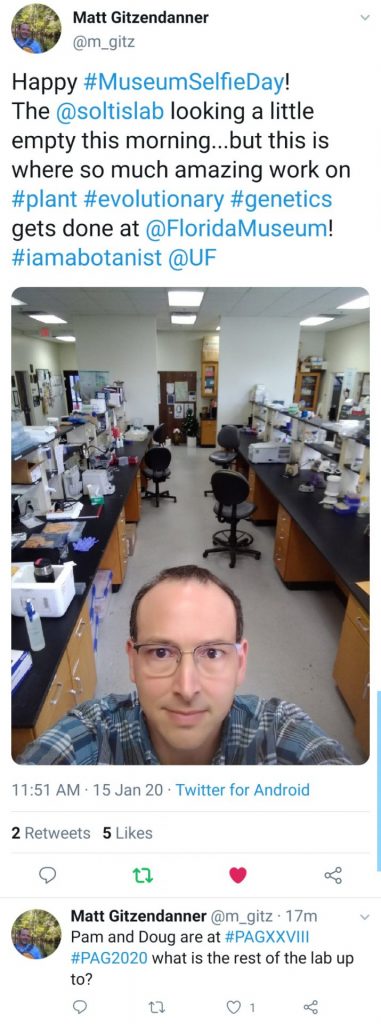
x: 177, y: 390
x: 24, y: 396
x: 336, y: 396
x: 72, y: 389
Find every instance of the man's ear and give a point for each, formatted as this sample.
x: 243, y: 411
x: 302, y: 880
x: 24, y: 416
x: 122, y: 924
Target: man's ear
x: 242, y: 661
x: 131, y: 658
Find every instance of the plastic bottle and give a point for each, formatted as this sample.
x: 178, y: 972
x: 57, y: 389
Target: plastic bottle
x: 34, y: 627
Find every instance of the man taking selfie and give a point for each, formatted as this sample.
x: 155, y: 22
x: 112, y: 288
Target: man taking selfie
x: 187, y: 656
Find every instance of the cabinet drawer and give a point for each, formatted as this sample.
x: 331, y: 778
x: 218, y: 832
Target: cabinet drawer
x: 281, y: 544
x: 266, y: 505
x: 351, y: 668
x: 132, y: 503
x: 79, y: 636
x: 363, y: 720
x: 111, y: 558
x: 81, y: 659
x: 208, y: 432
x: 359, y: 617
x: 251, y: 482
x: 59, y: 699
x: 121, y: 527
x: 283, y: 523
x: 280, y: 559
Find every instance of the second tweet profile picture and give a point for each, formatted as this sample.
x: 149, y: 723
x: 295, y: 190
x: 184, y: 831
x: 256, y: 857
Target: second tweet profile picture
x: 36, y: 28
x: 36, y: 934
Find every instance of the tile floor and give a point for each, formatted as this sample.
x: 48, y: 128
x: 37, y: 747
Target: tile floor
x: 293, y: 634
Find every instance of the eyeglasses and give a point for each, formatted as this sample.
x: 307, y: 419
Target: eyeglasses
x: 210, y: 660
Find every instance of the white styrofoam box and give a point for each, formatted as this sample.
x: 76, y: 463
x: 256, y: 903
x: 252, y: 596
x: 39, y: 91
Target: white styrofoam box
x: 50, y: 600
x: 267, y: 451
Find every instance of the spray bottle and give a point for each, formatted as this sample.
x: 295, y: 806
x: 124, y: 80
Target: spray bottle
x: 34, y: 627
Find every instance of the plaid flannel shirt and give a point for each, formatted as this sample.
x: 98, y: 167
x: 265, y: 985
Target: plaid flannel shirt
x: 113, y: 730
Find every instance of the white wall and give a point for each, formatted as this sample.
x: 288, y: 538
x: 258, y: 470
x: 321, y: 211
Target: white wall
x: 68, y: 356
x: 255, y: 350
x: 311, y: 342
x: 345, y: 349
x: 348, y: 349
x: 42, y: 355
x: 126, y: 347
x: 179, y: 351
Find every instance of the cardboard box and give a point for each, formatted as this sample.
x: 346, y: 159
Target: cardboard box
x: 131, y: 537
x: 24, y: 472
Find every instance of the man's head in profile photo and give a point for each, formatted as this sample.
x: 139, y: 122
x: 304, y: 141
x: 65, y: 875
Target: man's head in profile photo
x: 25, y: 945
x: 36, y: 934
x: 187, y: 657
x: 36, y: 28
x: 24, y: 38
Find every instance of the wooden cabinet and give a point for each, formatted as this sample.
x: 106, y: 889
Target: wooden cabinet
x: 132, y: 504
x: 295, y: 557
x: 81, y: 659
x: 208, y: 435
x: 115, y: 556
x: 74, y: 682
x: 209, y: 379
x: 351, y: 668
x: 307, y: 389
x: 267, y: 505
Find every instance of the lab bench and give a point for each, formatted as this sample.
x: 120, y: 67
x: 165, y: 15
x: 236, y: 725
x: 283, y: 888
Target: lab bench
x: 64, y: 672
x: 315, y: 545
x: 340, y: 541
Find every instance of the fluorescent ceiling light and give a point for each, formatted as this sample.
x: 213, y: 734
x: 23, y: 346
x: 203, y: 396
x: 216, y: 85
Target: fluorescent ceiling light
x: 17, y: 302
x: 65, y: 337
x: 186, y: 319
x: 191, y: 299
x: 47, y: 318
x: 362, y: 303
x: 315, y: 321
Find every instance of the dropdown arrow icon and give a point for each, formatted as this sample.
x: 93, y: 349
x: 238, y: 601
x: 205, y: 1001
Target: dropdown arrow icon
x: 365, y: 916
x: 365, y: 17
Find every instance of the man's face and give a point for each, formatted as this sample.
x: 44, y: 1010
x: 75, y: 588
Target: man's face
x: 185, y: 711
x: 24, y: 30
x: 24, y: 937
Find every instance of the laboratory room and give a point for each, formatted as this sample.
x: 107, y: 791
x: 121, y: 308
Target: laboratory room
x: 224, y: 429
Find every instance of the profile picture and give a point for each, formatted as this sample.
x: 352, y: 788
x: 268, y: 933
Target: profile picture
x: 36, y: 28
x: 36, y: 934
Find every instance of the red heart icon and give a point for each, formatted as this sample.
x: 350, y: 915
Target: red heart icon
x: 238, y: 874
